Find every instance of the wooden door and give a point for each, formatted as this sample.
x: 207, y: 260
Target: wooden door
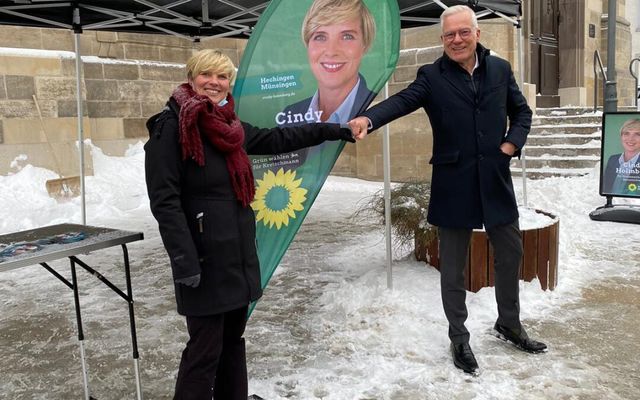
x: 544, y: 52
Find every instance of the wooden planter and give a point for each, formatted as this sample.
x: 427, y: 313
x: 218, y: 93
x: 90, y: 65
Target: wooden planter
x: 540, y: 256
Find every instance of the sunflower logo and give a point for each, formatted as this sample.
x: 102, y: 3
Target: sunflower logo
x: 278, y: 197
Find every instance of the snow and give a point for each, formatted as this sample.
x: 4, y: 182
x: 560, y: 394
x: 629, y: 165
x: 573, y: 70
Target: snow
x: 420, y: 49
x: 531, y: 219
x: 10, y: 51
x: 597, y: 135
x: 328, y: 326
x: 550, y: 170
x: 577, y: 125
x: 593, y: 144
x: 554, y: 157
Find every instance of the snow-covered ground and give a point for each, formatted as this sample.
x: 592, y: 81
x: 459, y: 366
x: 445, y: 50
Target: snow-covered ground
x: 327, y: 327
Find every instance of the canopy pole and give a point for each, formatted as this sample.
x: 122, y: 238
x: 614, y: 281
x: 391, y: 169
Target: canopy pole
x: 523, y: 159
x: 386, y: 157
x: 76, y: 36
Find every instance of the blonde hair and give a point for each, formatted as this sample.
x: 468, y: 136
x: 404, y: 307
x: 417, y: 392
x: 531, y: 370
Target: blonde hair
x: 212, y: 61
x: 458, y: 9
x: 329, y: 12
x: 632, y: 124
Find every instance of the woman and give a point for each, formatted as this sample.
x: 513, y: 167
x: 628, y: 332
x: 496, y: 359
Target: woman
x: 622, y: 172
x: 200, y: 186
x: 337, y: 34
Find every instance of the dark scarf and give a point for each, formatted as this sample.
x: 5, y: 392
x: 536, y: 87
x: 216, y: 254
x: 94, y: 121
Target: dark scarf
x: 220, y: 125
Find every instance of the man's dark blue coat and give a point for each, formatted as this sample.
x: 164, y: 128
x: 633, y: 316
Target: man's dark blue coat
x: 471, y: 182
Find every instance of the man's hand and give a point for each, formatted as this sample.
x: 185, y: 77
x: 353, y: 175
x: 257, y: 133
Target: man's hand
x: 508, y: 148
x: 359, y: 127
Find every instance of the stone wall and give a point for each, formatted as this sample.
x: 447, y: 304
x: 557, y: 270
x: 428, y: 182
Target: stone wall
x: 116, y: 45
x: 625, y: 82
x: 596, y: 15
x: 593, y: 13
x: 125, y: 79
x: 633, y: 11
x: 118, y: 97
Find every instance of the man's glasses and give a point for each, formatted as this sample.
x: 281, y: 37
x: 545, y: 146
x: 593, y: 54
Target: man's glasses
x: 463, y: 33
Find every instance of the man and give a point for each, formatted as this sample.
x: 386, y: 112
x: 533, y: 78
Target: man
x: 468, y: 95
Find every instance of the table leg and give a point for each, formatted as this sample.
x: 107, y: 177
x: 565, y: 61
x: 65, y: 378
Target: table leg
x: 76, y: 299
x: 132, y: 322
x: 128, y: 297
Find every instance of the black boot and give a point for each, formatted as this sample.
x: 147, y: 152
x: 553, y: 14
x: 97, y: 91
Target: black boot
x: 519, y: 338
x: 463, y: 358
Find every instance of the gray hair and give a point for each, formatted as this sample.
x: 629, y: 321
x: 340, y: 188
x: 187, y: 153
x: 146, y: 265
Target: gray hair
x: 459, y: 9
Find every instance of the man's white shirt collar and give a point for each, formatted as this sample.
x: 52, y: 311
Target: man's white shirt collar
x: 477, y: 64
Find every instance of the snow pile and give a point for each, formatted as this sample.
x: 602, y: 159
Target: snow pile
x: 328, y: 327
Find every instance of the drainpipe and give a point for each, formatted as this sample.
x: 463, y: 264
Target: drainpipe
x: 610, y: 92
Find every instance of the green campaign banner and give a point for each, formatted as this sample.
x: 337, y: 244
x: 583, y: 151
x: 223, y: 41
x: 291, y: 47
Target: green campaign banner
x: 620, y: 155
x: 308, y: 61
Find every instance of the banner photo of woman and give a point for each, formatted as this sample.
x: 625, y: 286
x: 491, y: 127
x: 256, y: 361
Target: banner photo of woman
x: 620, y: 161
x: 308, y: 61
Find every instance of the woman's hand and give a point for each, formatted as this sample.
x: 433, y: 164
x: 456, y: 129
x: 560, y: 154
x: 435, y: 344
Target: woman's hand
x: 191, y: 281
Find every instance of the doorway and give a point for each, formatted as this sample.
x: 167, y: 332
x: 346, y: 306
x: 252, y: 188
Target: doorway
x: 543, y: 41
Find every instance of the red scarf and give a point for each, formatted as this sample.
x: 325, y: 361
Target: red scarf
x: 220, y: 125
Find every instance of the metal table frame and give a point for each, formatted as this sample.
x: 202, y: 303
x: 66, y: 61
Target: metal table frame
x: 95, y: 238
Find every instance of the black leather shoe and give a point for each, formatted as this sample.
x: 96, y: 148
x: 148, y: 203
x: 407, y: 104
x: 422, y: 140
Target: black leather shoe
x: 520, y: 339
x: 463, y: 358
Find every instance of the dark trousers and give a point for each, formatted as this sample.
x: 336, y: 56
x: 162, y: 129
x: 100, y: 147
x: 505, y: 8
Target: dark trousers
x: 214, y: 363
x: 454, y: 248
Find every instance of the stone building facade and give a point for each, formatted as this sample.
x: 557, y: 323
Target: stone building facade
x: 128, y: 77
x: 633, y: 11
x: 125, y: 79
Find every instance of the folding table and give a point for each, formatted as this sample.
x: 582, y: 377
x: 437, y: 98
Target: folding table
x: 49, y: 243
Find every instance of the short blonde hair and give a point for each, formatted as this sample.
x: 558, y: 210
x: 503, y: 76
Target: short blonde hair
x: 329, y: 12
x: 456, y: 10
x: 630, y: 125
x: 212, y: 61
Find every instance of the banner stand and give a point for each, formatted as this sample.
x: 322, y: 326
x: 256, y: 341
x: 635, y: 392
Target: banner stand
x: 616, y: 213
x: 619, y: 167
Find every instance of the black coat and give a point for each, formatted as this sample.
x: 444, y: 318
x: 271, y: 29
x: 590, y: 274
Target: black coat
x: 203, y: 226
x: 471, y: 182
